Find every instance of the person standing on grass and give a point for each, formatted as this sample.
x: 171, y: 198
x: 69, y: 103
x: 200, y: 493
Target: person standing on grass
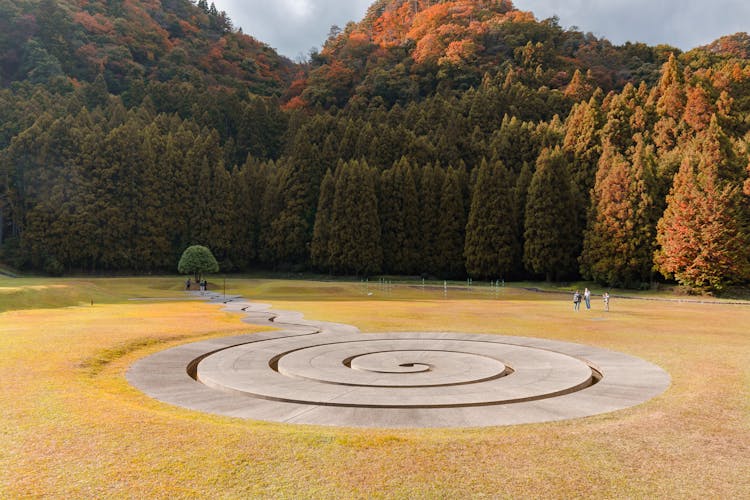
x: 187, y: 284
x: 606, y: 301
x: 587, y: 298
x: 576, y: 300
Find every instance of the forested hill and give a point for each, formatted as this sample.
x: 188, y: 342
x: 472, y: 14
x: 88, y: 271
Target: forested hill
x: 436, y: 138
x: 131, y: 43
x: 405, y: 49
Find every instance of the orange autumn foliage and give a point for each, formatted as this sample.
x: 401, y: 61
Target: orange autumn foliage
x: 187, y: 27
x: 459, y: 51
x: 390, y: 29
x: 297, y: 86
x: 519, y: 16
x: 93, y: 24
x: 451, y: 32
x: 359, y: 38
x: 296, y: 102
x: 429, y: 20
x: 698, y: 109
x: 428, y: 49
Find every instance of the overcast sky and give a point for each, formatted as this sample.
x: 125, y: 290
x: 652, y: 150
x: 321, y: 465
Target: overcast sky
x: 294, y: 26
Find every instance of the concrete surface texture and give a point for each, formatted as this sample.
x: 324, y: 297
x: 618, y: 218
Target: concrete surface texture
x: 313, y: 372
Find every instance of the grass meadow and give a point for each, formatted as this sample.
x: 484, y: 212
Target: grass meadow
x: 71, y: 426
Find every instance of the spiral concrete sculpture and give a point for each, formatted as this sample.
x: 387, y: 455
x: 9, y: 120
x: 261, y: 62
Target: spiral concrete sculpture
x: 312, y: 372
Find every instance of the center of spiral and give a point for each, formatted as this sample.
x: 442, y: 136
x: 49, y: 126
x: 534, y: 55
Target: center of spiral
x: 391, y: 362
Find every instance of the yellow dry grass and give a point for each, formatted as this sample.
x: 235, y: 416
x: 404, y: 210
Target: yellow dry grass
x: 71, y: 426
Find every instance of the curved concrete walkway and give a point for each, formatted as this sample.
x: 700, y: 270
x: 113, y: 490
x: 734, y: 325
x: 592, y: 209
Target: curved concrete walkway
x: 313, y: 372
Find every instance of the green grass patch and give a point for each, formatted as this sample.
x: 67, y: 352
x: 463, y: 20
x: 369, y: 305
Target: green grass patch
x: 46, y: 293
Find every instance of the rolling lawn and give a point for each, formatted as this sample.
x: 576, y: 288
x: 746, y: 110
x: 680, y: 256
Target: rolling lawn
x: 72, y: 427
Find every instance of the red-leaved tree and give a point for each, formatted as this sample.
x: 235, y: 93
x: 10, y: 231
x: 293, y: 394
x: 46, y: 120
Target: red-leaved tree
x: 702, y: 242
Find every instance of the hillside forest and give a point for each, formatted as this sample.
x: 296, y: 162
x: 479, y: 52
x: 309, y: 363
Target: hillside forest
x: 447, y: 139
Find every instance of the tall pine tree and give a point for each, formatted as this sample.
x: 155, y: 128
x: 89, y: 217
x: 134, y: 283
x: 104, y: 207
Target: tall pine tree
x: 399, y: 217
x: 491, y: 238
x: 430, y: 186
x: 701, y: 238
x: 551, y: 244
x: 355, y: 241
x: 619, y: 242
x: 452, y: 228
x: 320, y: 253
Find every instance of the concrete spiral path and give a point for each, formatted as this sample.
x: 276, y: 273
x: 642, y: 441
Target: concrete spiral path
x: 314, y: 372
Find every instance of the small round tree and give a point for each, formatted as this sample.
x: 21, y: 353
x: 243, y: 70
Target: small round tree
x: 197, y: 260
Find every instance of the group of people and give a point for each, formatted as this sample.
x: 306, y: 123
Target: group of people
x: 202, y: 284
x: 586, y: 297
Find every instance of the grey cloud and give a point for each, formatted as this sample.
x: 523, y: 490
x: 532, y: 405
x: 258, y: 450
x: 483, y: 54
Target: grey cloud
x: 292, y: 27
x: 682, y: 23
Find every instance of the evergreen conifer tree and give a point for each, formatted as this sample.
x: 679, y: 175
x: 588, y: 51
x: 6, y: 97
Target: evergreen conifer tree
x: 150, y: 245
x: 301, y: 178
x: 452, y: 228
x: 669, y: 100
x: 583, y: 147
x: 320, y: 248
x: 491, y: 236
x: 619, y: 122
x: 579, y: 89
x: 619, y: 243
x: 355, y: 241
x: 430, y: 186
x: 399, y: 216
x: 270, y: 209
x: 514, y: 143
x: 550, y: 236
x: 520, y: 195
